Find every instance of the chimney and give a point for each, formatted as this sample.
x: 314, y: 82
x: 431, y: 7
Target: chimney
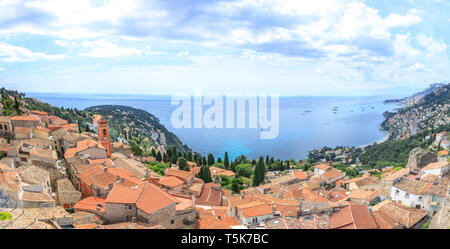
x: 105, y: 169
x: 134, y: 187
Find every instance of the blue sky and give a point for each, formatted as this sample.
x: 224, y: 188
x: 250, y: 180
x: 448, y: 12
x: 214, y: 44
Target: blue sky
x: 290, y: 47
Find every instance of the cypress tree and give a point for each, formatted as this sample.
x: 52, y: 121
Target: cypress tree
x: 226, y: 162
x: 211, y: 159
x: 158, y: 157
x: 260, y: 172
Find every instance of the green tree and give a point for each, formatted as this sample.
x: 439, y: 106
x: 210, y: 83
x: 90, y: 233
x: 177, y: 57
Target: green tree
x: 205, y: 174
x: 219, y: 160
x: 235, y: 186
x: 226, y: 161
x: 158, y: 156
x: 260, y: 173
x: 211, y: 159
x: 137, y: 150
x: 153, y: 152
x: 182, y: 164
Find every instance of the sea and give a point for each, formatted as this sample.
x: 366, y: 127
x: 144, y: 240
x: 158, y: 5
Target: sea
x: 305, y: 123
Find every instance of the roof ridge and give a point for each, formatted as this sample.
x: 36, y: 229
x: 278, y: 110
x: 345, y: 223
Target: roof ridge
x: 351, y: 214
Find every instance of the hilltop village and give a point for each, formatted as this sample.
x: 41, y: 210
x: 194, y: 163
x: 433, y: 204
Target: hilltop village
x: 55, y: 175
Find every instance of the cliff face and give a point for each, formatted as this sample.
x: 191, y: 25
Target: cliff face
x: 419, y: 158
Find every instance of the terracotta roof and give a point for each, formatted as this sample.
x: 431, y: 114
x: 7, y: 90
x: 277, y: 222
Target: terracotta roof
x: 67, y: 192
x: 147, y: 197
x: 211, y: 195
x: 323, y: 166
x: 208, y: 220
x: 82, y: 145
x: 395, y: 175
x: 92, y: 203
x: 439, y: 187
x: 179, y: 173
x: 332, y: 173
x: 312, y: 196
x: 153, y: 199
x: 384, y: 221
x: 402, y: 214
x: 368, y: 195
x: 293, y: 194
x: 105, y: 161
x: 171, y: 181
x: 436, y: 165
x: 300, y: 175
x: 25, y: 118
x: 33, y: 174
x: 195, y: 170
x: 36, y: 197
x: 218, y: 171
x: 254, y: 209
x: 413, y: 186
x: 352, y: 217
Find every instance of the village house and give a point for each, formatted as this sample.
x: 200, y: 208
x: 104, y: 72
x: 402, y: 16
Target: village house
x: 363, y: 183
x: 25, y: 187
x: 285, y: 180
x: 88, y: 149
x: 215, y: 172
x: 406, y: 216
x: 436, y: 194
x: 439, y: 168
x: 177, y: 181
x: 410, y: 192
x: 387, y: 181
x: 253, y: 213
x: 24, y: 133
x: 25, y: 121
x: 6, y: 127
x: 364, y: 197
x: 330, y: 174
x: 209, y: 219
x: 149, y: 204
x: 99, y: 180
x: 301, y: 175
x: 92, y: 204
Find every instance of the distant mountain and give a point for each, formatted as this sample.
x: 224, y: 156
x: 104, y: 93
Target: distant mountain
x: 416, y: 98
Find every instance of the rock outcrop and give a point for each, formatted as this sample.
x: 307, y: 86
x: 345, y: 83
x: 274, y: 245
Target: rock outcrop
x: 419, y: 158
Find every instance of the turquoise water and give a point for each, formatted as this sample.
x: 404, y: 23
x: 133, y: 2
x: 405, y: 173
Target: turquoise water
x: 306, y: 123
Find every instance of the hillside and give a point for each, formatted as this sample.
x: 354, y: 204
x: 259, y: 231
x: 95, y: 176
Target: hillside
x: 416, y: 98
x: 430, y: 112
x: 137, y: 127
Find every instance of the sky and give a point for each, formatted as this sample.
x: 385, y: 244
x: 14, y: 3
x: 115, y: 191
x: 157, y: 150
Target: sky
x: 289, y: 47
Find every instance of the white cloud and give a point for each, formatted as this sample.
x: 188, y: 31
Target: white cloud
x: 183, y: 53
x: 432, y: 46
x: 10, y: 53
x: 105, y: 49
